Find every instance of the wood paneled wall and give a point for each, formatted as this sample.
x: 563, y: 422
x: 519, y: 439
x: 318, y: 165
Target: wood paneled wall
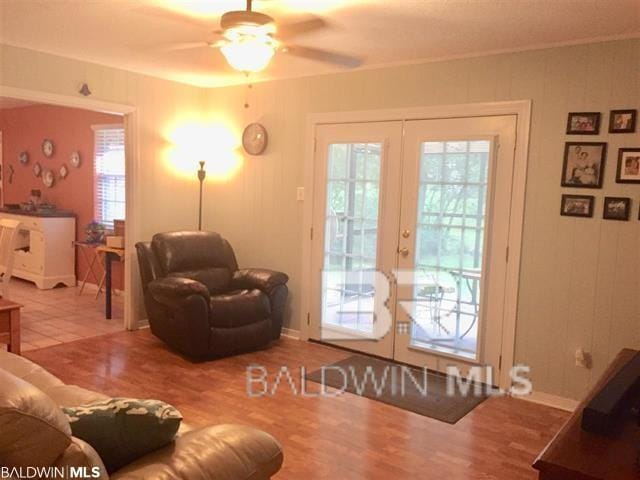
x: 580, y: 278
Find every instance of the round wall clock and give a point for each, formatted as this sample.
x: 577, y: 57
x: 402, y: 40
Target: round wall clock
x: 254, y: 139
x: 48, y: 178
x: 47, y: 147
x: 75, y: 159
x: 23, y: 157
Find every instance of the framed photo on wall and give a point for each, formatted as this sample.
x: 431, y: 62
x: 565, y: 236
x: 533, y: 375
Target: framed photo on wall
x: 583, y: 165
x: 616, y: 208
x: 583, y: 123
x: 577, y: 206
x: 628, y: 165
x: 622, y: 121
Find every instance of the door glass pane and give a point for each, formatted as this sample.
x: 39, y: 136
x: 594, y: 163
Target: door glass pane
x: 452, y: 201
x: 351, y: 236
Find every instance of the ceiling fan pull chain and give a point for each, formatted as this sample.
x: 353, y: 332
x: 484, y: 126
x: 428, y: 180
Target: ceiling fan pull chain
x: 247, y: 91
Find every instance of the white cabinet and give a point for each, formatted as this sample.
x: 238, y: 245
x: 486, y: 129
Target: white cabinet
x: 46, y: 254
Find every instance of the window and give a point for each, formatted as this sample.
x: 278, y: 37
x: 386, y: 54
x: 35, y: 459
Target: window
x: 109, y: 174
x: 351, y: 239
x: 452, y: 205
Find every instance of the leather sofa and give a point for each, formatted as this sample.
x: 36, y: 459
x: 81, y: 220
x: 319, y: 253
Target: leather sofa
x: 35, y: 433
x: 200, y: 303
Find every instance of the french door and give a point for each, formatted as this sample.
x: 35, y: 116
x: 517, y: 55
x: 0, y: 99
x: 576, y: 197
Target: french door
x: 410, y: 238
x: 452, y: 255
x: 355, y: 217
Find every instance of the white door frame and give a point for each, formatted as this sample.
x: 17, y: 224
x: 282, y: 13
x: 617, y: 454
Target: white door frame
x: 520, y: 108
x: 132, y: 157
x: 1, y: 172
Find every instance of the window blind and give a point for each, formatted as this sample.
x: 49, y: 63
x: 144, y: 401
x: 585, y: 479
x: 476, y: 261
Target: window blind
x: 109, y: 168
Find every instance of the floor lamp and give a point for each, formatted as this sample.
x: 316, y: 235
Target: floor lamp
x: 202, y: 174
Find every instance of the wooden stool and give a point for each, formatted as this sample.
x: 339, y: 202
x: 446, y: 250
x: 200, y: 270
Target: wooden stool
x: 10, y: 324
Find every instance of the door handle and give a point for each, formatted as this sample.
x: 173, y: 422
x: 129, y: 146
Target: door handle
x: 404, y: 251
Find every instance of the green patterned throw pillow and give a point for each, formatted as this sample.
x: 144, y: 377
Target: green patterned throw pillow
x: 122, y: 430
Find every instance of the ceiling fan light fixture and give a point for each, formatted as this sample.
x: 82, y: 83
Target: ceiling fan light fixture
x: 249, y: 53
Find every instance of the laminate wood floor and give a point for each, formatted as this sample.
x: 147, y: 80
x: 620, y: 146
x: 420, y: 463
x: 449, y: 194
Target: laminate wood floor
x: 344, y: 437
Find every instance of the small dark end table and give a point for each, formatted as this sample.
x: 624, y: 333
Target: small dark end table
x: 10, y: 325
x: 110, y: 254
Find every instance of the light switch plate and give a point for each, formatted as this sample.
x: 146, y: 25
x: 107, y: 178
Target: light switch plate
x: 300, y: 194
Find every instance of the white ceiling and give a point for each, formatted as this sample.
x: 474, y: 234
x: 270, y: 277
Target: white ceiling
x: 126, y: 33
x: 6, y: 103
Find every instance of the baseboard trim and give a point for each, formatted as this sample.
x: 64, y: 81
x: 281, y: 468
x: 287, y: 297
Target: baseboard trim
x: 142, y: 323
x: 92, y: 287
x: 555, y: 401
x: 291, y: 333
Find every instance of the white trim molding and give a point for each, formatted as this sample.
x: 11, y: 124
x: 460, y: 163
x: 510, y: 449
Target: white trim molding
x: 561, y: 403
x: 522, y: 110
x: 106, y: 126
x: 66, y: 100
x: 130, y: 114
x: 291, y: 333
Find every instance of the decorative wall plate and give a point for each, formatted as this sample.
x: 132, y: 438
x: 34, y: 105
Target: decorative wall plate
x: 47, y: 147
x: 23, y: 157
x: 254, y: 139
x: 75, y: 159
x: 37, y: 169
x: 48, y: 178
x: 64, y: 171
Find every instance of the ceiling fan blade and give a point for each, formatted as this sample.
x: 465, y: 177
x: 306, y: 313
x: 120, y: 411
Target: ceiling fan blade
x: 325, y: 56
x: 173, y: 47
x: 289, y: 30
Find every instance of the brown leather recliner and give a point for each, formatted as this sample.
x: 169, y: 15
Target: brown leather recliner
x: 200, y: 303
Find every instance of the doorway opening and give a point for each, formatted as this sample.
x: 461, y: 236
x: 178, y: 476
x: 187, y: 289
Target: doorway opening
x: 67, y: 189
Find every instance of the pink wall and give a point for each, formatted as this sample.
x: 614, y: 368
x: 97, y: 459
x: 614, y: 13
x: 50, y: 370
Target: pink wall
x: 25, y: 128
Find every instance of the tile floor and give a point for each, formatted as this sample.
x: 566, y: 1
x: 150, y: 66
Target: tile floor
x: 60, y: 315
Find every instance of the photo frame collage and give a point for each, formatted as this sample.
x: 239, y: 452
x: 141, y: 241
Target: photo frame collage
x: 584, y: 164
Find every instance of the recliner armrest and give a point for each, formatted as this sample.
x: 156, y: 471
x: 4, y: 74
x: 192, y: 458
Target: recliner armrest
x: 81, y: 454
x: 260, y: 278
x: 171, y: 291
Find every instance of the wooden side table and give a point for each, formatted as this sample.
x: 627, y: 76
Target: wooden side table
x: 575, y: 454
x: 10, y: 324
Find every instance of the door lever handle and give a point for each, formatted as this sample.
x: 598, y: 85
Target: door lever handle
x: 404, y: 251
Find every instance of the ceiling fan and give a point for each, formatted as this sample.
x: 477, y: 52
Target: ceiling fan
x: 249, y: 39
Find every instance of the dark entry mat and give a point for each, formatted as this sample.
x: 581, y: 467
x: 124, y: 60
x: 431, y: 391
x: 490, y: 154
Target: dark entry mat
x: 400, y: 386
